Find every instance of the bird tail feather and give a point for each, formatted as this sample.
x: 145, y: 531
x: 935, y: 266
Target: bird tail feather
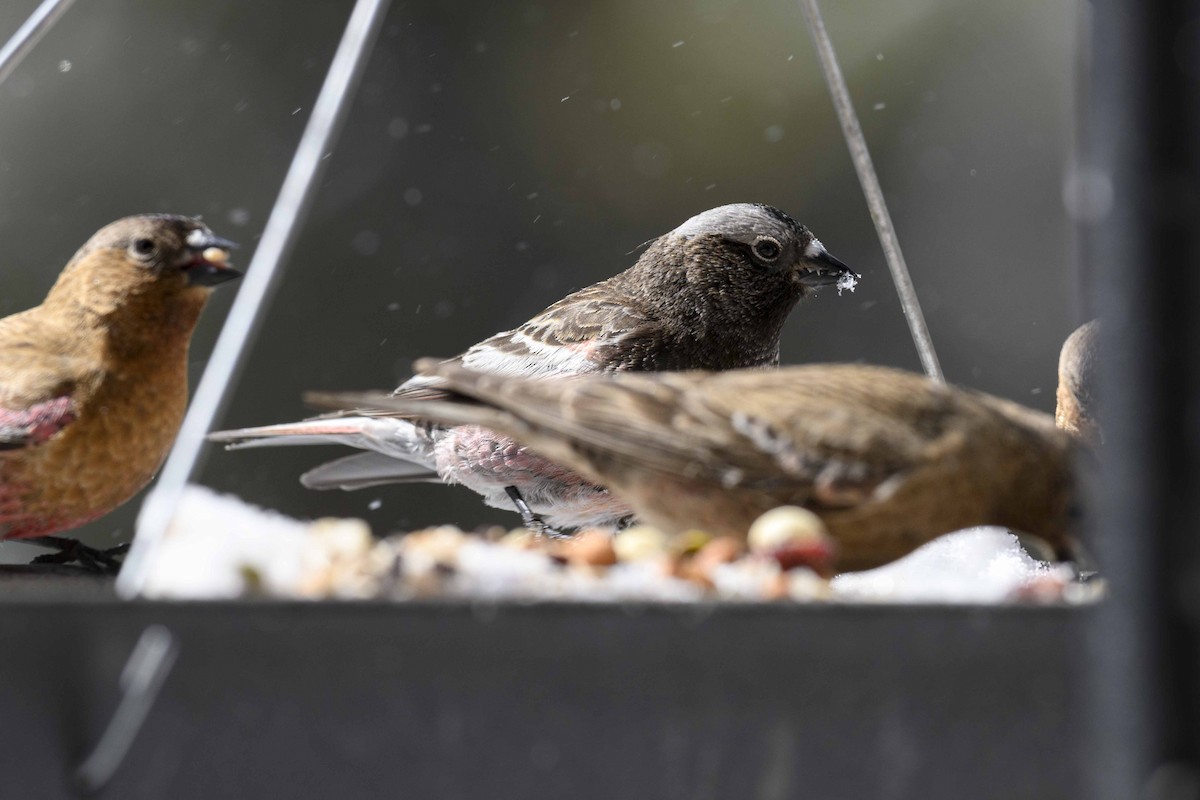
x: 453, y: 411
x: 308, y: 432
x: 364, y: 470
x: 408, y: 446
x: 470, y: 401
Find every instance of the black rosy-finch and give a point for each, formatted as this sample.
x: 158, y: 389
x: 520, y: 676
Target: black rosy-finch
x: 712, y: 294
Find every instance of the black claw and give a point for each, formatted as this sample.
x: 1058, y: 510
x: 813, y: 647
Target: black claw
x: 105, y: 562
x: 61, y: 557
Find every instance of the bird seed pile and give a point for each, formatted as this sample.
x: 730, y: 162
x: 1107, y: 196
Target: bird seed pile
x: 221, y: 547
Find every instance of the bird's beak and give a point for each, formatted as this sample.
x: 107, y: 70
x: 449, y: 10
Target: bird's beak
x: 209, y: 264
x: 818, y: 268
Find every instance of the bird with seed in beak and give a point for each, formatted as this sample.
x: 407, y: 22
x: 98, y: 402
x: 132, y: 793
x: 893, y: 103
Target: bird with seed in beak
x: 712, y: 294
x: 93, y: 382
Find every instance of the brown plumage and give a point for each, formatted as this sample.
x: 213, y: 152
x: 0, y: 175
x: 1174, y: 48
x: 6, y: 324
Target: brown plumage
x: 93, y: 382
x: 888, y: 459
x: 1079, y: 384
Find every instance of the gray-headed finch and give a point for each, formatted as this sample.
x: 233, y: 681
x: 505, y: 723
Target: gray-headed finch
x: 93, y: 382
x: 712, y: 294
x: 888, y: 459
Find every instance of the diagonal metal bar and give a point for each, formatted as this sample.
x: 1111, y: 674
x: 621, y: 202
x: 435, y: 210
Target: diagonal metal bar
x: 870, y: 186
x: 145, y: 672
x: 29, y: 34
x: 291, y: 208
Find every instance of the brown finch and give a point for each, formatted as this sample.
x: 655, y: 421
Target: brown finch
x: 888, y: 459
x: 93, y: 382
x: 712, y: 294
x: 1079, y: 384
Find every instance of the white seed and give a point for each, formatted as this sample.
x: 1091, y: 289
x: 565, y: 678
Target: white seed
x: 639, y: 543
x: 782, y: 526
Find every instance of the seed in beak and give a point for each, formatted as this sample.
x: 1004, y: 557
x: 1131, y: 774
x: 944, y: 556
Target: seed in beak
x: 215, y: 255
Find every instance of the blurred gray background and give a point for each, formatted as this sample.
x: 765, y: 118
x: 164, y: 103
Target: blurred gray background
x: 501, y: 155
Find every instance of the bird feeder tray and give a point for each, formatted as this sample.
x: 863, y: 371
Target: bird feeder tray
x: 549, y: 699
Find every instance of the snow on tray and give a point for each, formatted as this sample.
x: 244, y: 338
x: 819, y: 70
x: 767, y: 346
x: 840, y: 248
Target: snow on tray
x: 221, y: 547
x: 977, y: 565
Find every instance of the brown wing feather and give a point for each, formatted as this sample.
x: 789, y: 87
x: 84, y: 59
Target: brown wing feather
x: 825, y: 428
x: 585, y: 323
x: 38, y: 376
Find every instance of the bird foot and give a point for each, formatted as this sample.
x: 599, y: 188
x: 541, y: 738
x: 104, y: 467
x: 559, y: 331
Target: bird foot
x: 531, y: 520
x: 104, y: 562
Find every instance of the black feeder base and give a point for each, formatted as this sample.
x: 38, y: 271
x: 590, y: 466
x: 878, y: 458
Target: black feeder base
x: 456, y: 700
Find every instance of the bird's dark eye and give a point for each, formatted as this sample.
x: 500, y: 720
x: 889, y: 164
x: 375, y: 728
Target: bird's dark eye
x: 767, y: 249
x: 144, y: 247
